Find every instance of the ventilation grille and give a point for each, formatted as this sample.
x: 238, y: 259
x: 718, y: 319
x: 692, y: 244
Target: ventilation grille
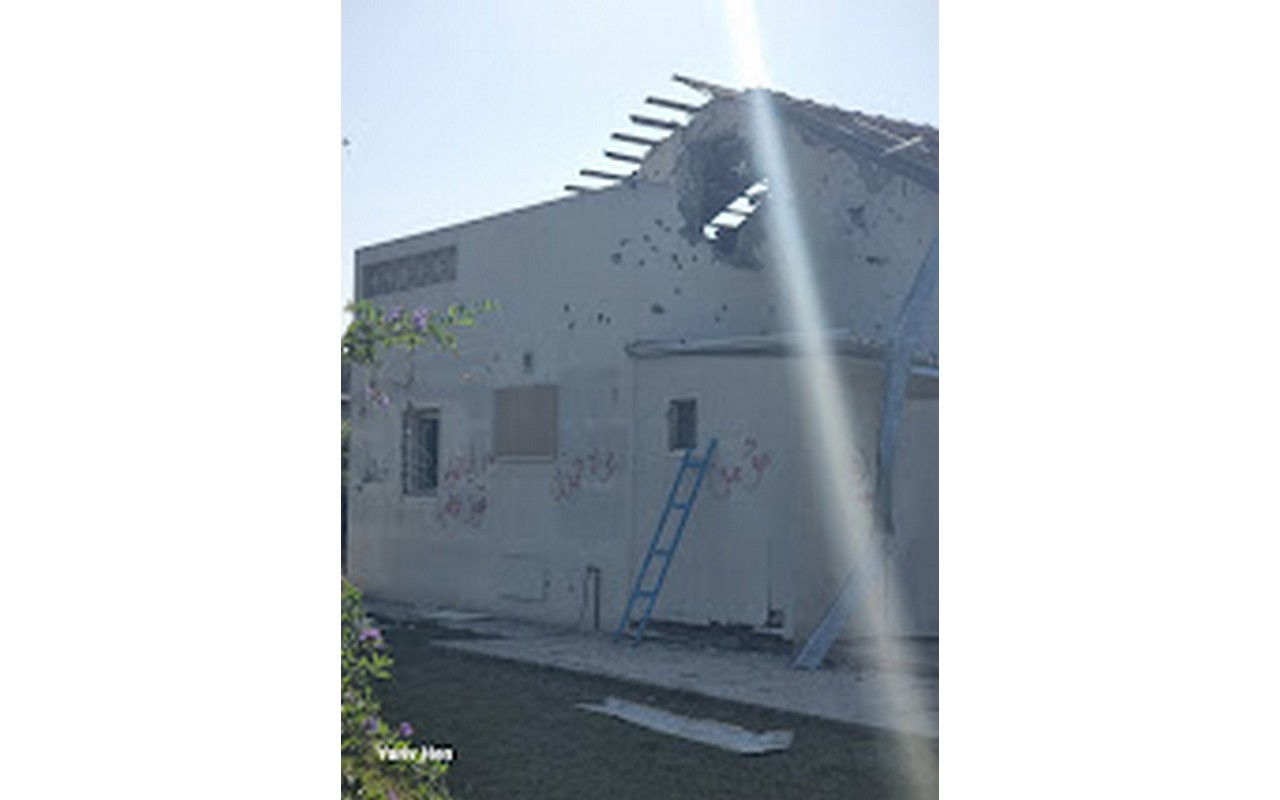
x: 410, y: 272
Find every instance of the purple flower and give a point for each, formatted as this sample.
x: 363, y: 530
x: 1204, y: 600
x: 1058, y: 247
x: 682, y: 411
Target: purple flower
x: 393, y: 315
x: 406, y: 730
x: 371, y: 724
x: 391, y: 795
x: 371, y: 635
x: 375, y: 395
x: 420, y: 318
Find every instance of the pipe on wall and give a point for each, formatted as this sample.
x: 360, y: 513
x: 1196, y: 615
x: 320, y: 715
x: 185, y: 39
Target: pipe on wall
x: 593, y: 576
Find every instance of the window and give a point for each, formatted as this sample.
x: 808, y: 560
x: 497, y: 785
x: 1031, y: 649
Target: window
x: 524, y: 422
x: 421, y: 457
x: 682, y: 425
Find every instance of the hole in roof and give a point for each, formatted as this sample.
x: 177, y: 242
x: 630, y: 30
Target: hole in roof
x: 737, y: 211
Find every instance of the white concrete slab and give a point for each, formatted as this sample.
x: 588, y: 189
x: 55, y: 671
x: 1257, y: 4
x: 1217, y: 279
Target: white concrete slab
x: 707, y: 731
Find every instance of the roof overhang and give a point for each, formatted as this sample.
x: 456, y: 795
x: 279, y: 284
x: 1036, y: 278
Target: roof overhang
x: 836, y: 341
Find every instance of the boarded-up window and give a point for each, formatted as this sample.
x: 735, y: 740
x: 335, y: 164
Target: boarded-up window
x: 682, y: 425
x: 524, y: 422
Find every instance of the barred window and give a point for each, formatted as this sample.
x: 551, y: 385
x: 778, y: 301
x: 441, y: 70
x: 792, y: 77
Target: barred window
x: 524, y: 422
x: 682, y: 425
x: 421, y: 456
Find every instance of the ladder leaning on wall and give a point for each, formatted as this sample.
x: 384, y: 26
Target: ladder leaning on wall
x: 659, y: 555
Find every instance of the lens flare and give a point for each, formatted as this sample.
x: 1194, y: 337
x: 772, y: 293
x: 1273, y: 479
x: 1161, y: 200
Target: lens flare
x: 830, y: 432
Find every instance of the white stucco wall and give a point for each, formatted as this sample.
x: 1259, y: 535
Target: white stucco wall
x: 759, y: 539
x: 576, y: 280
x: 734, y: 563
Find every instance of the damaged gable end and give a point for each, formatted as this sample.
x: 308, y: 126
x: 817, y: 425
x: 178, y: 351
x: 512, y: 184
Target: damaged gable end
x: 722, y: 188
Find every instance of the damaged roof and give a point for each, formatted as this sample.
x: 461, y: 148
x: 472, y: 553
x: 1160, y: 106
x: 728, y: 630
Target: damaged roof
x: 908, y: 148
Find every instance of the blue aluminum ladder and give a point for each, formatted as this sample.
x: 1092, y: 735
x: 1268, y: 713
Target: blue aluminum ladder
x: 658, y: 552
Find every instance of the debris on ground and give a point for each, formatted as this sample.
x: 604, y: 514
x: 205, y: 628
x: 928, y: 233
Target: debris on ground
x: 707, y: 731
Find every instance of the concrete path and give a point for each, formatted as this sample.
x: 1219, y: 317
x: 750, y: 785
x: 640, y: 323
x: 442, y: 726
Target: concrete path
x: 896, y: 700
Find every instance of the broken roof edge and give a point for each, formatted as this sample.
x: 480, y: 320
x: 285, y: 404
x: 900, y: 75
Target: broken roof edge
x: 897, y: 129
x: 909, y: 148
x: 853, y: 130
x: 894, y: 156
x: 839, y: 340
x: 711, y: 90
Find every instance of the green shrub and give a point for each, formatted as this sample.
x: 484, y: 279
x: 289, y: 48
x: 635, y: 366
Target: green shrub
x: 371, y: 330
x: 367, y: 740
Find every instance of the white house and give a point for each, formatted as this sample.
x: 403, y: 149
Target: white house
x: 526, y: 474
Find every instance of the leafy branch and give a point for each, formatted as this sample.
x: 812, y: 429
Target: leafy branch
x: 366, y: 737
x: 372, y: 331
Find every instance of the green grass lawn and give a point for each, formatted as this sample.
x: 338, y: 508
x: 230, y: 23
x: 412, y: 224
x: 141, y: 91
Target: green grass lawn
x: 517, y: 734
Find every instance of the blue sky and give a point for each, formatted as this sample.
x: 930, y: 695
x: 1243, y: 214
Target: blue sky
x: 456, y: 111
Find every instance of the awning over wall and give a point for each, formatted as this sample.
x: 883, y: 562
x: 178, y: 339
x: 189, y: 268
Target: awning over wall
x: 839, y: 340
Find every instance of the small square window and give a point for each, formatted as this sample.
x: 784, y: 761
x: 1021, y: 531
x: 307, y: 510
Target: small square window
x: 421, y: 456
x: 682, y: 425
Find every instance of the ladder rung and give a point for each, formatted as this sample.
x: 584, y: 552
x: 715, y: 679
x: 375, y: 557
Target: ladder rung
x: 650, y: 596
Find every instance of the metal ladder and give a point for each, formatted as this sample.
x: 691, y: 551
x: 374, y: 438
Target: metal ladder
x: 657, y: 550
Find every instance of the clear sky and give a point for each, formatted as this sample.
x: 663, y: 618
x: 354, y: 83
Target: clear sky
x: 460, y: 110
